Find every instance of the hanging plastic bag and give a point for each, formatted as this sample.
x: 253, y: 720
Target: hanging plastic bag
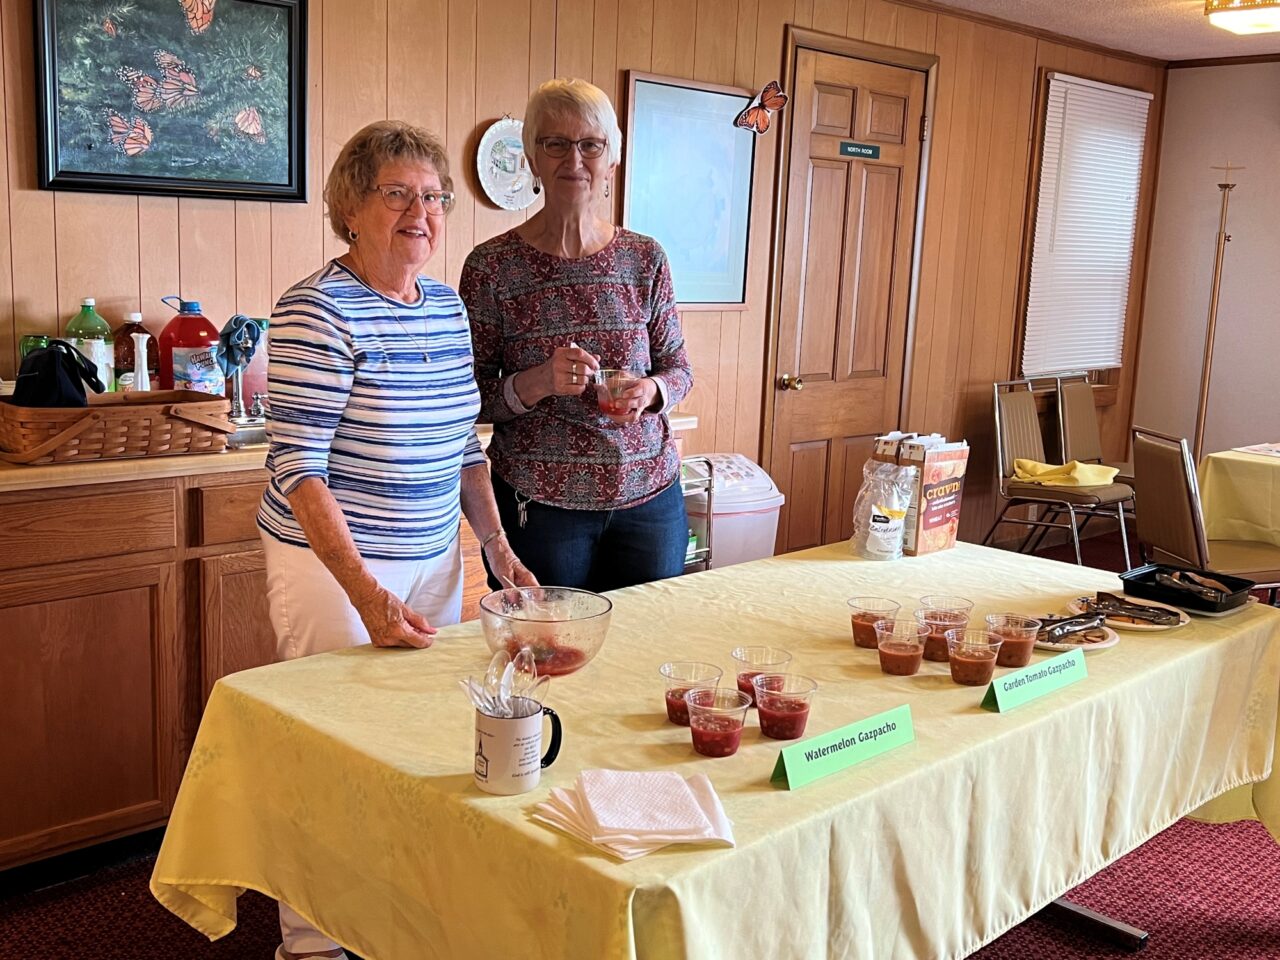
x: 879, y: 513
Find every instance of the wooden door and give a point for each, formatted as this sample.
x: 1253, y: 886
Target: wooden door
x: 90, y: 699
x: 848, y: 224
x: 235, y: 624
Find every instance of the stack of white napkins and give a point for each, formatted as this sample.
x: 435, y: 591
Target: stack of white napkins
x: 628, y: 813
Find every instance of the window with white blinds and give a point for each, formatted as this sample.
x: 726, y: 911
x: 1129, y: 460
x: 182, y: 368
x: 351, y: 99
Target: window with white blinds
x: 1086, y: 212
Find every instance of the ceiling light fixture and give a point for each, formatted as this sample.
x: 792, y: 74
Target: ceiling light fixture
x: 1244, y: 16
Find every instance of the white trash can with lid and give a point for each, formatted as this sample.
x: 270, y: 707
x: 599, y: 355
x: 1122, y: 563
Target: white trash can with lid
x: 745, y: 502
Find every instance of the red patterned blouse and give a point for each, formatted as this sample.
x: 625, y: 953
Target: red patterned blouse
x: 617, y: 303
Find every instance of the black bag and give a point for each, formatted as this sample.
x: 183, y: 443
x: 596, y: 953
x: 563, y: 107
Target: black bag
x: 54, y: 376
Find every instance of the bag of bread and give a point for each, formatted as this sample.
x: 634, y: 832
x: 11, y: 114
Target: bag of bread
x: 880, y: 511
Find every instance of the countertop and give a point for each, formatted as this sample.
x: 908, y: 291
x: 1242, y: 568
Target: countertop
x: 16, y: 477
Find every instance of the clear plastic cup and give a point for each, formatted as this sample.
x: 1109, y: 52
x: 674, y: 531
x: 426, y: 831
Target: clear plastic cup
x: 973, y: 656
x: 864, y: 612
x: 753, y: 661
x: 610, y: 386
x: 901, y: 644
x: 716, y: 718
x: 783, y: 700
x: 683, y: 676
x: 942, y: 613
x: 1019, y: 636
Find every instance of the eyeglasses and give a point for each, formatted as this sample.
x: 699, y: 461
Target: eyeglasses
x: 399, y: 198
x: 557, y: 147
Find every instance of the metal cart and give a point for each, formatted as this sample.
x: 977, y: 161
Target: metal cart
x: 697, y: 474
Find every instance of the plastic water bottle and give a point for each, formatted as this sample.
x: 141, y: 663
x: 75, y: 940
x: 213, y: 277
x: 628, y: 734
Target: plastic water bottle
x: 91, y: 335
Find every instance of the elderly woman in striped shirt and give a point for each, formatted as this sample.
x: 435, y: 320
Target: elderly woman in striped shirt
x: 373, y: 446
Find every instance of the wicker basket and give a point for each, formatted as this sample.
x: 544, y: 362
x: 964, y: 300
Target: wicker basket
x: 115, y: 426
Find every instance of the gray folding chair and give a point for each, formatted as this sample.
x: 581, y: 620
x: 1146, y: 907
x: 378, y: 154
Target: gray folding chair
x: 1078, y: 425
x: 1018, y: 438
x: 1170, y: 521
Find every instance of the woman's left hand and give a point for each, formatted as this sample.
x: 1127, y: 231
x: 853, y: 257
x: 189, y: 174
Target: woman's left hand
x: 504, y: 563
x: 635, y: 401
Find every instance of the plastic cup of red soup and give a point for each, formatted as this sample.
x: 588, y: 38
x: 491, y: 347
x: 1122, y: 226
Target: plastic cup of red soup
x: 864, y: 612
x: 683, y: 676
x: 752, y: 661
x: 973, y: 656
x: 901, y: 645
x: 1019, y: 636
x: 610, y: 386
x: 783, y: 700
x: 716, y: 718
x: 942, y: 614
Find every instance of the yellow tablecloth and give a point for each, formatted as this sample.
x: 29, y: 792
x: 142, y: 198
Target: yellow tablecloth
x: 1240, y: 494
x: 342, y: 783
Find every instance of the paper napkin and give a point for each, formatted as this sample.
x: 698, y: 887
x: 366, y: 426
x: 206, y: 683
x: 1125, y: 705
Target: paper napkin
x: 628, y: 814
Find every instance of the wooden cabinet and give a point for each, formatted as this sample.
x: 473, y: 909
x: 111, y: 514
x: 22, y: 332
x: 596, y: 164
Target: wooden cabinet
x: 90, y: 703
x: 121, y: 605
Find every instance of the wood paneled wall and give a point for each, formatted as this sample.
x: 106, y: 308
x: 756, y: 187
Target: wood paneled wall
x: 456, y: 65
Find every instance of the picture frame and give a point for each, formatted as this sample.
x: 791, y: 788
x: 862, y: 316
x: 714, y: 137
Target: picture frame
x: 687, y: 182
x: 176, y: 98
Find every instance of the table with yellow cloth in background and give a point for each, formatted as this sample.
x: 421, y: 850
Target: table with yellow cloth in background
x: 342, y: 783
x: 1240, y: 495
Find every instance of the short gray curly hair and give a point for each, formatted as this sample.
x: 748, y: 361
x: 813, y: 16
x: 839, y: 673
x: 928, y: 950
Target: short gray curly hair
x: 576, y: 98
x: 355, y: 171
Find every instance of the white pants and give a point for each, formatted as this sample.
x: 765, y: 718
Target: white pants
x: 310, y: 613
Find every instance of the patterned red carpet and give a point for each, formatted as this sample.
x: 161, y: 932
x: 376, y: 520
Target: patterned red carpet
x: 1203, y: 892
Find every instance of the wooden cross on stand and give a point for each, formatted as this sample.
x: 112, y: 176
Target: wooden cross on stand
x: 1226, y: 174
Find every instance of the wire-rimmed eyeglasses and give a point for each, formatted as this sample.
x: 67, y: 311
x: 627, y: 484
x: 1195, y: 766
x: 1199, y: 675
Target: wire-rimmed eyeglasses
x: 399, y: 198
x: 557, y: 147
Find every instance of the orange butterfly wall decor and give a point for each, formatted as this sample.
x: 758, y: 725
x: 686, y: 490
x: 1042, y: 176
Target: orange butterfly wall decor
x: 177, y: 83
x: 756, y: 115
x: 199, y: 14
x: 133, y: 137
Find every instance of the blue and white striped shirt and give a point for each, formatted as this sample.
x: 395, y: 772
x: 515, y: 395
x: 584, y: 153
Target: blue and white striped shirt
x: 378, y: 399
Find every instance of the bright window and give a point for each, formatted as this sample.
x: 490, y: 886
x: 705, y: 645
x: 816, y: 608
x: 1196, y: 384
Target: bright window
x: 1086, y: 213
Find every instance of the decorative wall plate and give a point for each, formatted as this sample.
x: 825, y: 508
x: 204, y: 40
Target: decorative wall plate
x: 500, y: 162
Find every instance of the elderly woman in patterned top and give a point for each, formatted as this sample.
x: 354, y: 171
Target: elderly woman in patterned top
x: 588, y: 498
x: 373, y: 449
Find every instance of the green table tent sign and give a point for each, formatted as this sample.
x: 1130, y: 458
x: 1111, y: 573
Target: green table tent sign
x: 816, y: 757
x: 867, y: 151
x: 1015, y: 689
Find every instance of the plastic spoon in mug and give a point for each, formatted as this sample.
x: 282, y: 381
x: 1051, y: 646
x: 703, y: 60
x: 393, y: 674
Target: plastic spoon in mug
x: 538, y: 691
x: 493, y: 676
x: 504, y: 688
x: 526, y: 671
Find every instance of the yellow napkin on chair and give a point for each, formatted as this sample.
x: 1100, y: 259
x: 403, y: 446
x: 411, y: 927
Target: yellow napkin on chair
x: 1073, y: 474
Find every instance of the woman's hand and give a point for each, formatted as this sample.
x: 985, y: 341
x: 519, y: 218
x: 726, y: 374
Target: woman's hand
x: 634, y: 401
x: 506, y: 566
x: 391, y: 623
x: 567, y: 374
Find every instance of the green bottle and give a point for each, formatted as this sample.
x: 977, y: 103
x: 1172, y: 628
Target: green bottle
x: 91, y: 335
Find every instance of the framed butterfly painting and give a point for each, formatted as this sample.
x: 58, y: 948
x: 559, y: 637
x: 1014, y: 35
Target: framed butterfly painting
x: 687, y: 180
x: 194, y: 98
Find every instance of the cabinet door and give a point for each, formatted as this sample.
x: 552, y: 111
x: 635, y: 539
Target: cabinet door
x: 235, y: 627
x: 90, y: 704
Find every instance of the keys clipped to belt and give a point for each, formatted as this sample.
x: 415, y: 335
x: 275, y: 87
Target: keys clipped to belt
x: 522, y: 510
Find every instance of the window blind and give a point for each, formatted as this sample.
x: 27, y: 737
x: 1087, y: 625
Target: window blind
x: 1086, y: 213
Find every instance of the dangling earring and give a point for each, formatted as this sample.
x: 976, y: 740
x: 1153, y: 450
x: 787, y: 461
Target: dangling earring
x: 606, y: 189
x: 351, y: 235
x: 537, y: 186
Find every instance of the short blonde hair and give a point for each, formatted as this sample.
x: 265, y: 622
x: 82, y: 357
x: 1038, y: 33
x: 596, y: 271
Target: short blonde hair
x: 355, y: 171
x: 576, y: 98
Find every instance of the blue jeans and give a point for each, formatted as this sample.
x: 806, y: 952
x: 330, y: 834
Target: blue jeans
x: 596, y: 549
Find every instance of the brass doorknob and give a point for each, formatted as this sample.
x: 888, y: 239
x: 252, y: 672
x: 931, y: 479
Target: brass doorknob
x: 788, y: 382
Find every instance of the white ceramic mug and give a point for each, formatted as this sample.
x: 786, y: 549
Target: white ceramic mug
x: 509, y: 757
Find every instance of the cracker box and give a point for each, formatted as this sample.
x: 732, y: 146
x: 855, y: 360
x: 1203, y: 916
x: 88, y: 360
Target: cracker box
x: 933, y: 519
